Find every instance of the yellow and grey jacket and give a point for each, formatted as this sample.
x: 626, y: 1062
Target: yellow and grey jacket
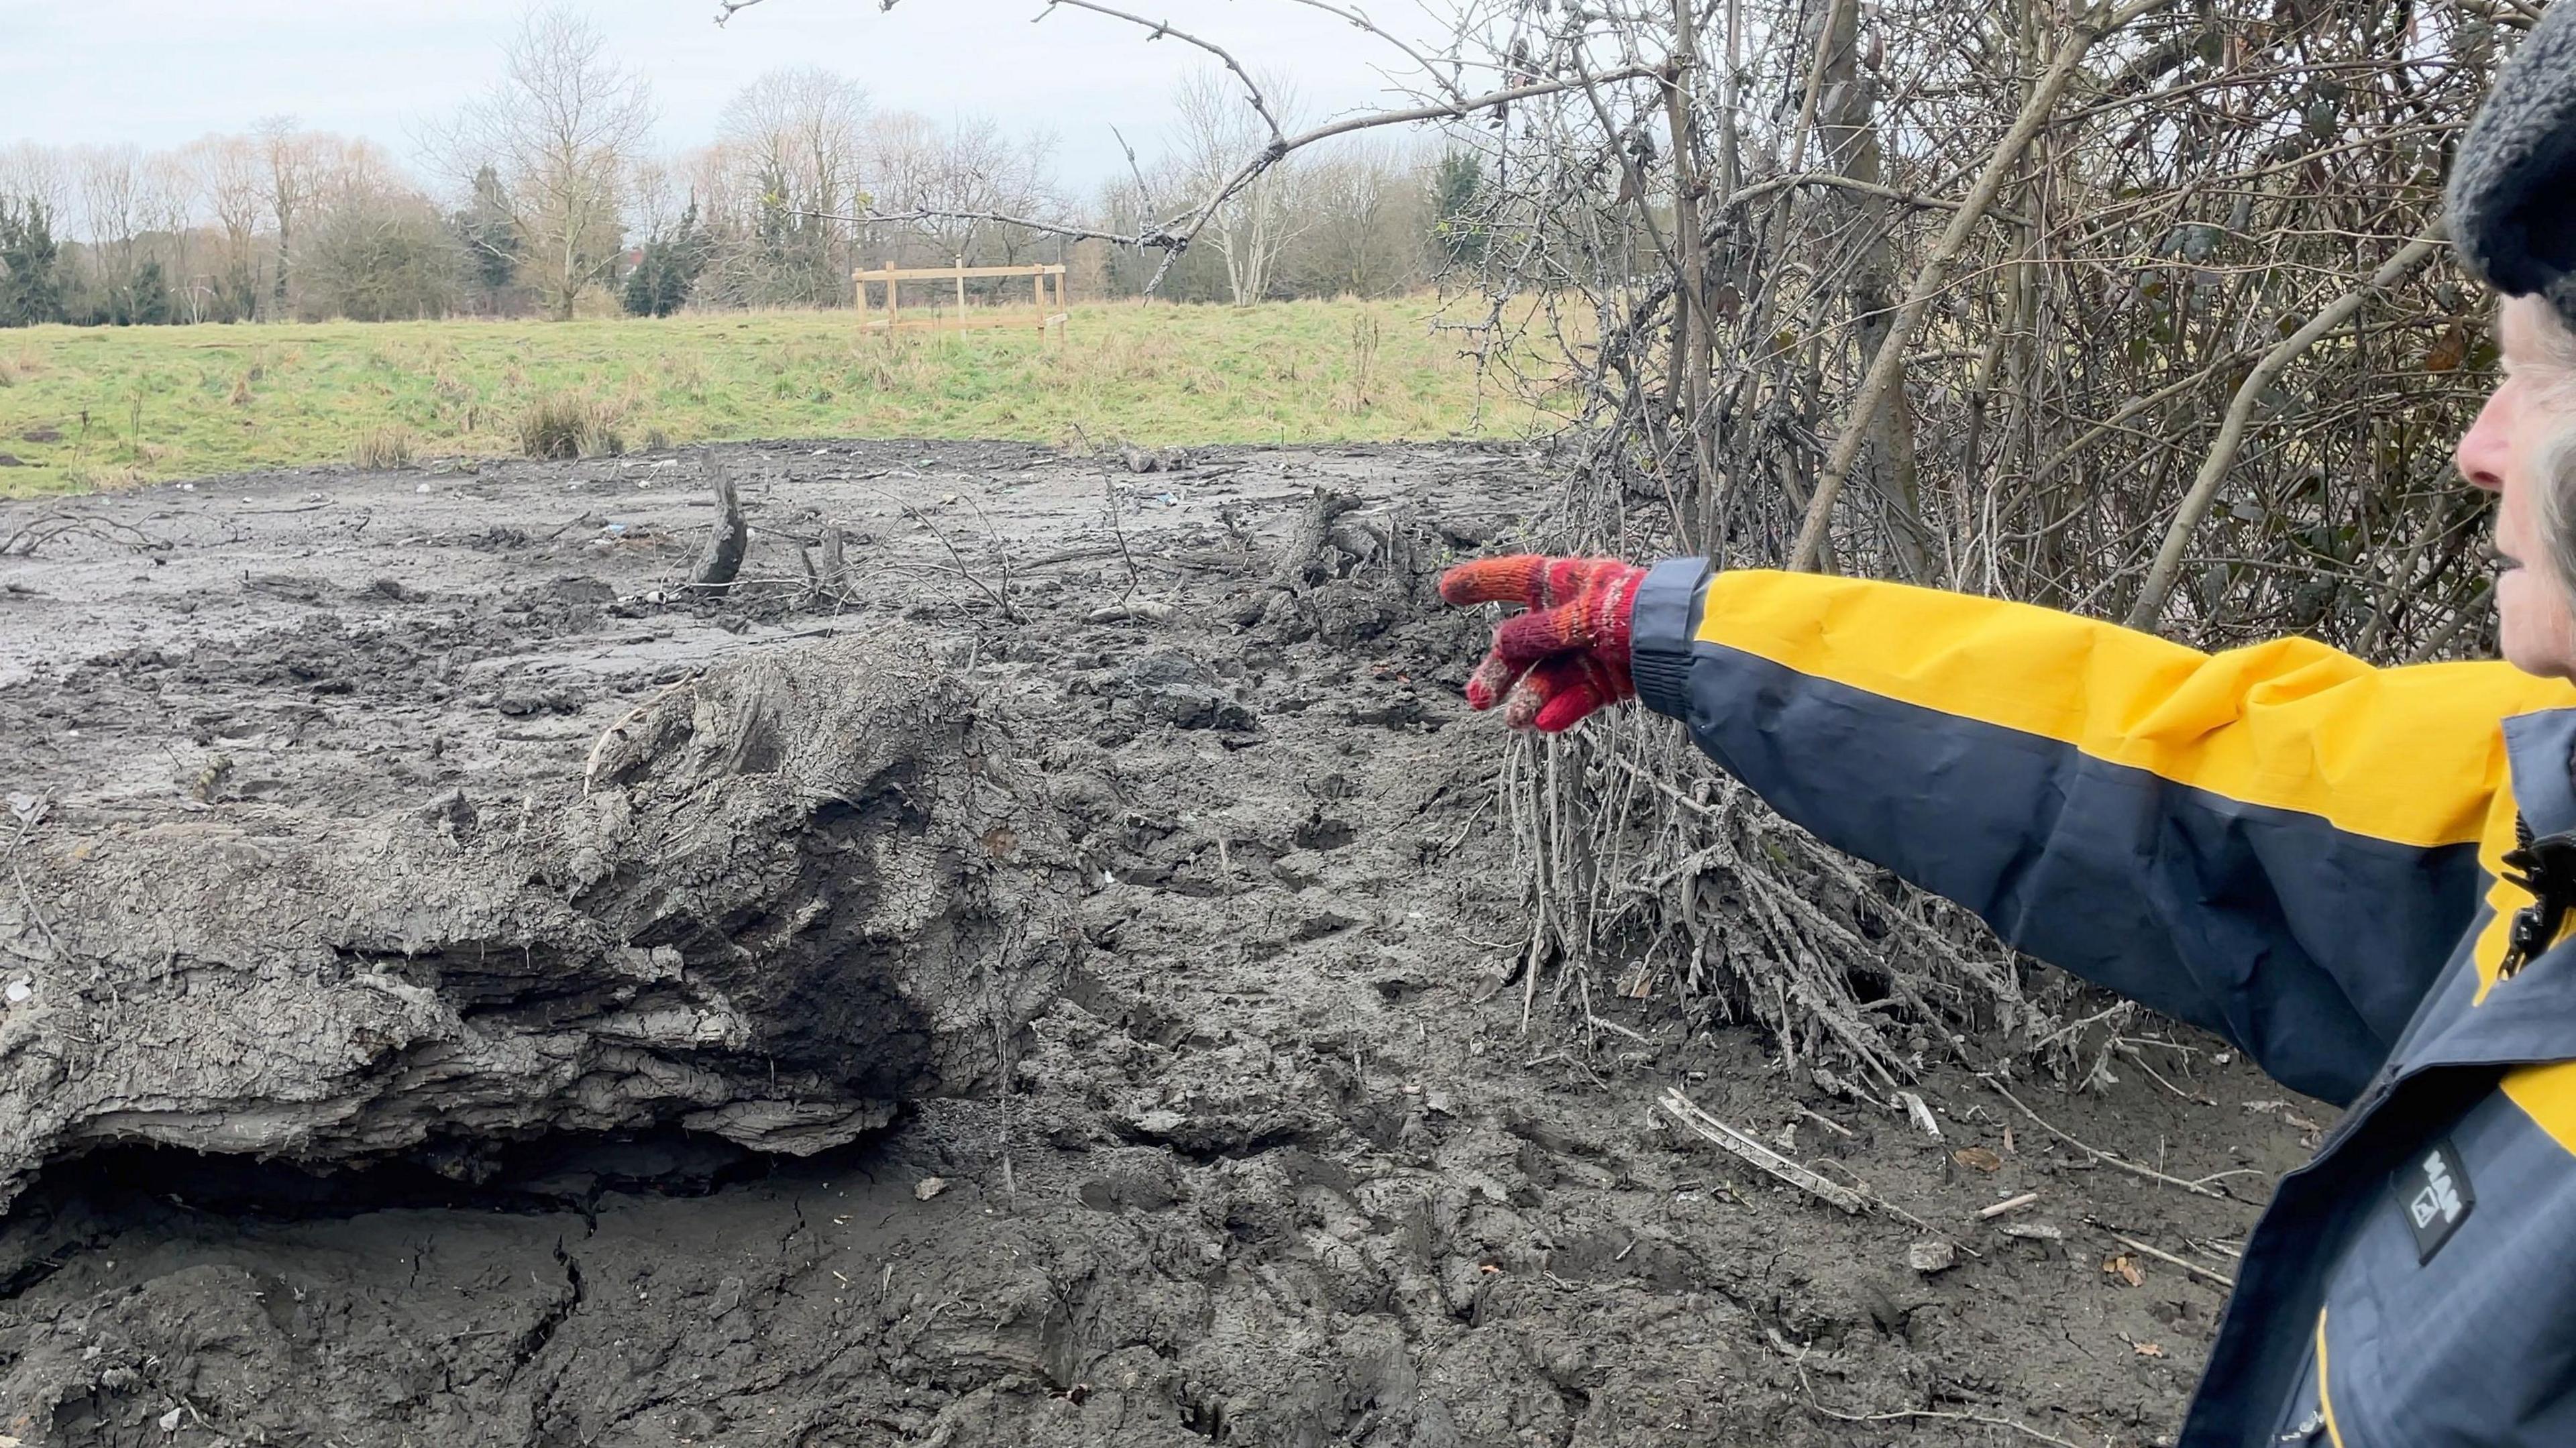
x: 2290, y: 847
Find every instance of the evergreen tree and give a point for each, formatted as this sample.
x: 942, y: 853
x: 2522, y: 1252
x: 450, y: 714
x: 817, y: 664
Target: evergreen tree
x: 153, y: 305
x: 683, y: 262
x: 31, y: 282
x: 491, y: 237
x: 671, y: 283
x: 1456, y: 183
x: 669, y: 266
x: 642, y: 294
x: 140, y: 299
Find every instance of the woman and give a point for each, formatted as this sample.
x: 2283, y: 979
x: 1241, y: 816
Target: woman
x: 2360, y: 876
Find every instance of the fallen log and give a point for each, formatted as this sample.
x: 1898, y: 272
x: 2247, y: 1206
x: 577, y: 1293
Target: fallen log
x: 778, y: 900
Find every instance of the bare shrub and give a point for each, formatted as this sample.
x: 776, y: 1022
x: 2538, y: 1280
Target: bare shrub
x: 2120, y: 306
x: 1967, y: 297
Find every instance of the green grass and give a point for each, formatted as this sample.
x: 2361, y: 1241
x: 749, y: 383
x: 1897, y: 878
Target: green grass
x: 148, y: 403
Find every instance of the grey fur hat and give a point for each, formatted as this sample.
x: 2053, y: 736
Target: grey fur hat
x: 2513, y: 189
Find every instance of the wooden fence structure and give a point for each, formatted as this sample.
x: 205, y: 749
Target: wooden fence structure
x: 1049, y: 314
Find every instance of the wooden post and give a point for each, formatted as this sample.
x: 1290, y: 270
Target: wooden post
x: 961, y: 292
x: 859, y: 279
x: 894, y: 307
x: 1037, y: 278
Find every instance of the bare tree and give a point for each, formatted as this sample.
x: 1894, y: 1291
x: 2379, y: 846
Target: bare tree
x: 112, y: 207
x: 377, y: 250
x: 1218, y: 123
x: 802, y: 129
x: 290, y: 159
x: 167, y: 203
x: 229, y: 176
x: 957, y: 190
x: 38, y: 173
x: 654, y: 195
x: 797, y: 137
x: 1367, y: 221
x: 563, y: 129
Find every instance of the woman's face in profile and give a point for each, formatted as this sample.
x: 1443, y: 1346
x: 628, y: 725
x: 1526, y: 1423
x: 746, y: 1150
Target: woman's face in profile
x: 2514, y: 450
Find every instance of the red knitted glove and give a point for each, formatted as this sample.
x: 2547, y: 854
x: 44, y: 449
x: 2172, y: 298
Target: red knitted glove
x: 1567, y: 656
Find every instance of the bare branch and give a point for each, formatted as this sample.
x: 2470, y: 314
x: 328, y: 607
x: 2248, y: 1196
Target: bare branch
x: 1884, y: 369
x: 1360, y: 21
x: 1144, y: 193
x: 1197, y: 220
x: 1897, y: 194
x: 2240, y: 413
x: 1150, y: 239
x: 1161, y: 28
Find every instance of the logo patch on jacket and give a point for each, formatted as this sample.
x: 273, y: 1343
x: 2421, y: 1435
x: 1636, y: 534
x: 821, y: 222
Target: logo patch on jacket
x: 2435, y: 1196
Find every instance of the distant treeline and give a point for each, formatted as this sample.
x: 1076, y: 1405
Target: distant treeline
x: 541, y: 198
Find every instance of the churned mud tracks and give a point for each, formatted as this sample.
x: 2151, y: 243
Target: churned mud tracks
x: 500, y: 995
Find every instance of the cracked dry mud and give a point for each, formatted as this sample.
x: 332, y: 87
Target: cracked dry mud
x: 477, y: 992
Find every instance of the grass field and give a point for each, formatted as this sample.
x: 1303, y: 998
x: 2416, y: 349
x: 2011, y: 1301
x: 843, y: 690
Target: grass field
x: 84, y: 408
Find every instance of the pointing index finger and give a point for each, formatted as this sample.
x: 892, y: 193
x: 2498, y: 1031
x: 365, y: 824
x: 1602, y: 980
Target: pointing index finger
x: 1518, y: 578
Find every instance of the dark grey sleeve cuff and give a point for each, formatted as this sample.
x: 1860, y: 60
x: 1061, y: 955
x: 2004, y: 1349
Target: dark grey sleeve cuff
x: 1660, y: 629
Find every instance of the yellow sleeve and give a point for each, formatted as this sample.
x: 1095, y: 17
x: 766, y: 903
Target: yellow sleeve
x: 2278, y: 842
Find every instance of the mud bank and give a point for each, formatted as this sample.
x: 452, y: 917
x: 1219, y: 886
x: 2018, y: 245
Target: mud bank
x: 1035, y: 985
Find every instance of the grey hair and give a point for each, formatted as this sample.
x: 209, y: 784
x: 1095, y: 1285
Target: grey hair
x: 2556, y: 497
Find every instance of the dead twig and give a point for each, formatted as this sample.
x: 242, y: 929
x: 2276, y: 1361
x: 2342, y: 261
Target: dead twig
x: 1827, y: 1122
x: 1000, y: 597
x: 2093, y: 1153
x: 1900, y: 1415
x: 1159, y: 28
x: 1118, y: 530
x: 1687, y: 1114
x: 2161, y: 1255
x: 53, y: 526
x: 29, y: 811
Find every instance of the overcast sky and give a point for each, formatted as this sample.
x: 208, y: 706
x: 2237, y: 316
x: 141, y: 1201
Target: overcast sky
x: 161, y: 72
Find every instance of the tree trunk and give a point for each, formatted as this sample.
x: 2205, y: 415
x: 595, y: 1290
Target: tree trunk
x: 1690, y: 308
x: 285, y: 247
x: 773, y: 902
x: 721, y: 561
x: 1846, y: 121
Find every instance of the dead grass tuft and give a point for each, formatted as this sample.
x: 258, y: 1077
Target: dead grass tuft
x: 570, y: 425
x: 383, y: 448
x: 103, y: 477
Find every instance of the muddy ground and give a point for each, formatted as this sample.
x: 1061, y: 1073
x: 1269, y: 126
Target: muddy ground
x: 1278, y: 1164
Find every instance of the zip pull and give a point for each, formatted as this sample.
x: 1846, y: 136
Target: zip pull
x: 2307, y: 1432
x: 2546, y: 868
